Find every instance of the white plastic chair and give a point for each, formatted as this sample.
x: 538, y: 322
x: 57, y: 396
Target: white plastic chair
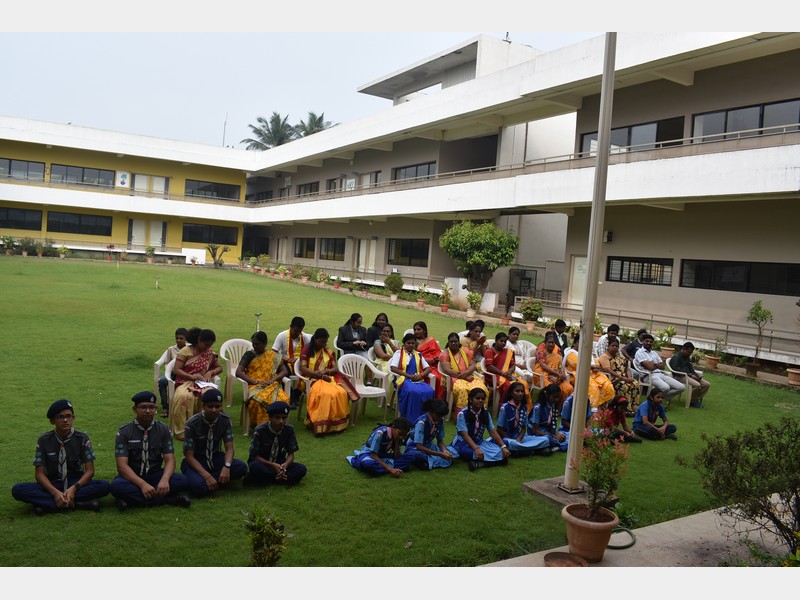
x: 682, y: 378
x: 157, y: 366
x: 231, y: 353
x: 537, y: 380
x: 355, y: 368
x: 305, y: 393
x: 336, y: 350
x: 448, y: 382
x: 171, y: 382
x: 492, y: 388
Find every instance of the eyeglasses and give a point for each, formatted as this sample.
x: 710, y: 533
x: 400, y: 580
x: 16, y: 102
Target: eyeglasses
x: 146, y: 408
x: 64, y: 417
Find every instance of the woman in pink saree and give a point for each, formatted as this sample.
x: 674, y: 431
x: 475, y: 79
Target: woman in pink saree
x: 195, y: 363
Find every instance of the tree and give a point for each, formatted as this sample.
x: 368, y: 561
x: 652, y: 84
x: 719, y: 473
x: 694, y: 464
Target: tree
x: 270, y: 133
x: 315, y: 124
x: 759, y: 316
x: 216, y: 251
x: 478, y: 250
x: 755, y: 477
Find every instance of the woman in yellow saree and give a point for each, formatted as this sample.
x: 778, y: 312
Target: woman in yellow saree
x: 330, y: 392
x: 549, y: 367
x: 457, y: 363
x: 263, y: 370
x: 600, y: 388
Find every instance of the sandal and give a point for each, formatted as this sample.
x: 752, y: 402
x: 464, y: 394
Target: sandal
x: 164, y: 414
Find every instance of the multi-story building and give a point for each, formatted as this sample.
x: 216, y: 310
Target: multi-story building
x: 703, y: 196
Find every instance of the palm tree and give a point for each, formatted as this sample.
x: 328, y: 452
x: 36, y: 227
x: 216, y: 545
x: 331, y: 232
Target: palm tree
x: 315, y: 124
x: 269, y: 134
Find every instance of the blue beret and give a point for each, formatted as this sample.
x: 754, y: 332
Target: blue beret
x: 57, y: 406
x: 211, y: 395
x: 278, y: 408
x: 144, y: 397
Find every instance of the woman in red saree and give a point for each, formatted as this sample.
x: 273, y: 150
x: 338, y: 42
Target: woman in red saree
x: 549, y: 367
x: 330, y: 392
x: 196, y: 362
x: 457, y: 363
x: 430, y: 350
x: 499, y: 361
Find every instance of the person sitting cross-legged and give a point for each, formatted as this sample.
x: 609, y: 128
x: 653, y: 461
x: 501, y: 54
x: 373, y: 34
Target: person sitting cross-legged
x: 615, y: 426
x: 64, y: 464
x: 206, y: 467
x: 649, y: 411
x: 472, y: 421
x: 146, y: 460
x: 512, y: 424
x: 272, y: 450
x: 381, y: 453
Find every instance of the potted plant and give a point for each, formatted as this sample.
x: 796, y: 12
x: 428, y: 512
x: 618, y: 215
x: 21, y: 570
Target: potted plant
x: 422, y: 290
x: 39, y: 246
x: 759, y: 316
x: 8, y: 244
x: 193, y: 260
x: 304, y: 274
x: 474, y: 300
x: 63, y: 251
x: 150, y: 253
x: 110, y: 252
x: 531, y: 310
x: 337, y: 282
x: 263, y: 263
x: 714, y: 356
x: 447, y: 295
x: 321, y: 278
x: 663, y: 340
x: 393, y: 283
x: 123, y: 255
x: 603, y: 461
x: 598, y: 327
x: 282, y: 271
x: 27, y: 245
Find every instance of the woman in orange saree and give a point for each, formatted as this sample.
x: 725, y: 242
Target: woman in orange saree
x: 549, y: 367
x: 263, y: 370
x: 600, y: 388
x: 195, y: 362
x: 457, y: 363
x: 430, y: 350
x: 330, y: 392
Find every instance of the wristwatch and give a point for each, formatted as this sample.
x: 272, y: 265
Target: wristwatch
x: 77, y: 486
x: 228, y: 465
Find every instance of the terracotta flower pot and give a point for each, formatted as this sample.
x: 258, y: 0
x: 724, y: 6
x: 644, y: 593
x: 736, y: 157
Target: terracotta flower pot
x: 794, y: 376
x: 150, y: 260
x: 392, y: 297
x: 588, y: 539
x: 529, y: 325
x: 505, y: 321
x: 444, y: 307
x: 666, y: 352
x: 712, y: 362
x: 421, y: 303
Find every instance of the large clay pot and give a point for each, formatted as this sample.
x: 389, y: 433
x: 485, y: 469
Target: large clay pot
x: 588, y: 539
x: 444, y: 307
x: 666, y: 352
x: 712, y: 361
x: 529, y: 325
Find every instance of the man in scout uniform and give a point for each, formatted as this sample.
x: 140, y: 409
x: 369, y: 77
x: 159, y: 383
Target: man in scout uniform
x: 204, y: 464
x: 272, y: 450
x: 64, y: 464
x: 146, y: 460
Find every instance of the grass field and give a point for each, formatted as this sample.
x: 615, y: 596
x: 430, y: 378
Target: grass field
x: 89, y: 331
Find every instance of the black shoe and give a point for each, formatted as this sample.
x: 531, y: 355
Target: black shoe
x: 474, y: 464
x: 671, y: 436
x: 122, y: 505
x: 634, y: 440
x: 178, y: 500
x: 544, y: 452
x: 503, y: 462
x: 92, y: 505
x: 39, y: 511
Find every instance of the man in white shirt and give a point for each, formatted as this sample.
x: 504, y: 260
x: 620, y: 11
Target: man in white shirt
x: 290, y: 344
x: 647, y: 360
x: 611, y: 334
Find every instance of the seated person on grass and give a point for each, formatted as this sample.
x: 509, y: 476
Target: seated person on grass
x: 682, y: 363
x: 512, y: 424
x: 204, y: 464
x: 64, y: 464
x: 613, y: 418
x: 381, y: 453
x: 472, y: 421
x: 565, y: 425
x: 544, y: 417
x: 146, y: 460
x: 425, y: 445
x: 648, y: 413
x: 272, y: 450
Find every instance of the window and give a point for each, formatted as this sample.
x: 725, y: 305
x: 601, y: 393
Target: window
x: 19, y: 218
x: 308, y: 188
x: 333, y: 185
x: 62, y: 222
x: 423, y: 171
x: 370, y: 179
x: 712, y: 125
x: 646, y: 136
x: 210, y: 234
x: 409, y: 252
x: 82, y: 175
x: 304, y: 247
x: 331, y: 249
x: 259, y: 196
x: 735, y: 276
x: 648, y: 271
x: 21, y: 169
x: 150, y: 184
x: 207, y: 189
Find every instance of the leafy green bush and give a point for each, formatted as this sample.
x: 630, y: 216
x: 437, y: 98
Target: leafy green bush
x: 393, y: 282
x: 531, y: 309
x: 267, y: 538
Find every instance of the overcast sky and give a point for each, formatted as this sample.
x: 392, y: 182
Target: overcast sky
x: 184, y: 85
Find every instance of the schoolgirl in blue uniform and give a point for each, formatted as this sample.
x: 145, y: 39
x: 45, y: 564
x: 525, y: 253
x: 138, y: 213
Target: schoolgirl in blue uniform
x: 425, y: 445
x: 471, y: 423
x: 381, y: 452
x: 512, y: 424
x: 542, y: 422
x: 566, y: 417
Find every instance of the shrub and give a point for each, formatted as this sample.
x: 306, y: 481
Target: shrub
x: 474, y: 300
x: 755, y: 476
x: 267, y: 538
x: 531, y: 309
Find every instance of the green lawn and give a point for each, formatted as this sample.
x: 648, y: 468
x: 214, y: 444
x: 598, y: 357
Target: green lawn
x: 89, y: 331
